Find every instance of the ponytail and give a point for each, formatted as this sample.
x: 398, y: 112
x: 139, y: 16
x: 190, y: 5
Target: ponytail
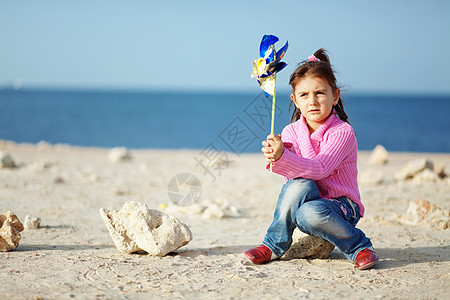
x: 318, y: 65
x: 340, y: 111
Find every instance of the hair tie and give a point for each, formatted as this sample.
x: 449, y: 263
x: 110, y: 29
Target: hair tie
x: 312, y: 58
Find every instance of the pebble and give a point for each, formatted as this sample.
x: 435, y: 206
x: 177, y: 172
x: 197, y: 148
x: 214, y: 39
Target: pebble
x: 6, y: 160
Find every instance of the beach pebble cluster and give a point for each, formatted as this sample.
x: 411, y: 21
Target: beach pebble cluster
x: 9, y: 231
x: 417, y: 170
x: 138, y: 228
x: 206, y: 209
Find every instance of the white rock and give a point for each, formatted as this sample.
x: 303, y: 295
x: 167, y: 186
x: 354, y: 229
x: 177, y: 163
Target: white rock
x: 213, y: 212
x: 413, y: 167
x: 232, y: 211
x: 6, y: 160
x: 93, y: 178
x: 379, y: 156
x: 119, y: 154
x: 137, y: 228
x: 194, y: 209
x: 43, y: 145
x: 439, y: 169
x: 41, y: 166
x: 426, y: 175
x: 446, y: 180
x: 32, y: 222
x: 10, y: 228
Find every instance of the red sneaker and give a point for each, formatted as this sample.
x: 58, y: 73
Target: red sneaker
x: 260, y: 255
x: 365, y: 259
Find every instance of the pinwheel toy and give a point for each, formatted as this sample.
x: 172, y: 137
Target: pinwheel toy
x: 266, y: 67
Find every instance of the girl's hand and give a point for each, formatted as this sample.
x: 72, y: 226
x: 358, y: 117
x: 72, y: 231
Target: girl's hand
x: 273, y: 147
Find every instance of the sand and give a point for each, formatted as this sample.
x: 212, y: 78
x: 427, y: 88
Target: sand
x: 73, y: 257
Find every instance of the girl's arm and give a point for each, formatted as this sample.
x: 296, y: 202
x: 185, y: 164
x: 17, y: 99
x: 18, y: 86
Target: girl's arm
x: 337, y: 147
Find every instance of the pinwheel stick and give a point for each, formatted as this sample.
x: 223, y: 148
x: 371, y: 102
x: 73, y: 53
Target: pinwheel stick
x: 273, y: 112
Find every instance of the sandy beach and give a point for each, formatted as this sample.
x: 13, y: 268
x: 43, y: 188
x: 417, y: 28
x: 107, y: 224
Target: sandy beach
x: 72, y: 256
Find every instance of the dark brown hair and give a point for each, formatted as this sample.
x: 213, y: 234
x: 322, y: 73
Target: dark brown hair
x: 321, y: 69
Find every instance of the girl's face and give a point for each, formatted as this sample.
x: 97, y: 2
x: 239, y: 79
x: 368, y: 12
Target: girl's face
x: 315, y: 99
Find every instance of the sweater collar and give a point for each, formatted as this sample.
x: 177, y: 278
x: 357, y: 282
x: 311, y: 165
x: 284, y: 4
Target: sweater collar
x: 319, y: 132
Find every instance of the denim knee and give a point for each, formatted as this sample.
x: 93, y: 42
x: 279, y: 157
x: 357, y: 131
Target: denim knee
x: 306, y: 188
x: 312, y: 215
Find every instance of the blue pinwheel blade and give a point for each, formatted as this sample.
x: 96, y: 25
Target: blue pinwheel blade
x: 280, y: 66
x: 282, y: 51
x: 266, y: 75
x: 266, y: 42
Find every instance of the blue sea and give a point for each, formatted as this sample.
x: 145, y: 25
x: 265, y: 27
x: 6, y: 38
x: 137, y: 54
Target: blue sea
x: 234, y: 122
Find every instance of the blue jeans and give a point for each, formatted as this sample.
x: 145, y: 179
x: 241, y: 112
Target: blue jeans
x: 334, y: 220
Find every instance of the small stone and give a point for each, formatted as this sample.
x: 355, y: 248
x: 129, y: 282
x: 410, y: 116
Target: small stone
x: 379, y: 156
x: 41, y: 166
x: 93, y: 178
x: 232, y: 211
x: 413, y: 167
x: 138, y: 228
x: 426, y: 175
x: 43, y: 145
x: 119, y: 154
x: 213, y: 211
x: 32, y: 222
x: 6, y: 161
x: 123, y: 192
x: 309, y: 247
x: 58, y: 180
x: 439, y: 169
x: 9, y: 231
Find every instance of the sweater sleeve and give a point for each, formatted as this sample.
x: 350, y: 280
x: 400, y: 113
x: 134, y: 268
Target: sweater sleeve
x: 288, y: 138
x: 334, y: 150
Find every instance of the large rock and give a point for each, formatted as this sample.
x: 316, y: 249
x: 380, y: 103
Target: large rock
x: 138, y: 228
x: 414, y: 167
x: 309, y: 247
x: 6, y: 160
x: 378, y: 156
x: 9, y: 231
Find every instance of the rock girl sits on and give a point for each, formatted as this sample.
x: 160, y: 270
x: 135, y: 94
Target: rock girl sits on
x: 317, y: 156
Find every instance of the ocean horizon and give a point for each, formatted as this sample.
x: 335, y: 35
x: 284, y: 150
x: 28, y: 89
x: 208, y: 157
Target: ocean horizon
x: 226, y: 121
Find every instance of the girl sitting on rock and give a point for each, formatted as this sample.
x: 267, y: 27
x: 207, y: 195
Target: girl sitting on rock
x: 317, y: 156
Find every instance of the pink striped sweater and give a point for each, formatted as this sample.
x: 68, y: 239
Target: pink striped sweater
x: 327, y: 156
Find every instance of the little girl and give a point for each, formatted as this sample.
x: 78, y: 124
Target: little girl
x: 316, y: 154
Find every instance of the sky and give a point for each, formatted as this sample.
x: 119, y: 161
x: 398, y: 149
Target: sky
x: 375, y: 46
